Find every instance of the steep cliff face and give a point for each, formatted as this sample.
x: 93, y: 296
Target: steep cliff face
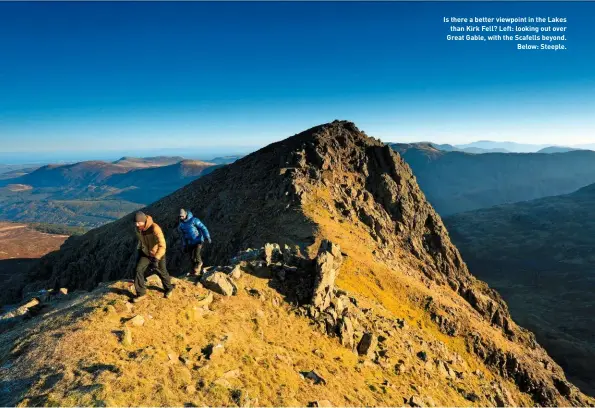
x: 333, y: 182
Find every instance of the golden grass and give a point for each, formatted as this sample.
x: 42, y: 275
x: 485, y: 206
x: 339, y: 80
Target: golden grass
x: 83, y: 362
x: 268, y: 345
x: 362, y: 274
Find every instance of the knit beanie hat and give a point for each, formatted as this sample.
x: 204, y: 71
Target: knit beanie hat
x: 140, y: 217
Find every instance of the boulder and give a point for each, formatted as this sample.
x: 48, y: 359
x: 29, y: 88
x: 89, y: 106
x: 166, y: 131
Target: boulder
x: 341, y: 304
x: 346, y: 332
x: 236, y: 272
x: 154, y: 280
x: 502, y: 397
x: 220, y: 283
x: 312, y: 375
x: 127, y: 337
x: 328, y: 262
x: 444, y: 369
x: 272, y: 253
x: 471, y: 396
x: 137, y: 320
x: 320, y: 403
x: 400, y: 367
x: 367, y: 345
x: 415, y: 401
x: 21, y: 310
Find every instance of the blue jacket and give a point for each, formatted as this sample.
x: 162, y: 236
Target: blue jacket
x: 193, y: 231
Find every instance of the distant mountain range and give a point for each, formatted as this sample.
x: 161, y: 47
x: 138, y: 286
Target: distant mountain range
x: 475, y: 150
x: 225, y: 159
x: 514, y: 147
x: 94, y: 192
x: 557, y: 149
x: 486, y: 146
x: 148, y: 161
x: 540, y: 256
x: 15, y: 170
x: 511, y: 147
x: 457, y: 181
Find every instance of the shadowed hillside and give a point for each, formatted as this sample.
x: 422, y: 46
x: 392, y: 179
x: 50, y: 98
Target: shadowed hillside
x: 148, y: 185
x: 21, y: 247
x: 71, y: 175
x: 389, y: 253
x: 456, y: 182
x: 94, y: 193
x: 540, y: 255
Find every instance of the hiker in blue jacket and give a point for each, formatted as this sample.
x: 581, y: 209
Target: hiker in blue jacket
x: 194, y: 233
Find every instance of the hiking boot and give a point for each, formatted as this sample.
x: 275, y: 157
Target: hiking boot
x: 194, y: 272
x: 139, y: 299
x: 168, y: 293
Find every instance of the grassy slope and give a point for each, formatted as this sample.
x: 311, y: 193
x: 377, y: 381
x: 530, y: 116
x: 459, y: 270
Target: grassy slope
x: 73, y: 356
x: 365, y: 274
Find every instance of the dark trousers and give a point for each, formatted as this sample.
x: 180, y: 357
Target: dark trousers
x: 142, y: 266
x: 195, y: 253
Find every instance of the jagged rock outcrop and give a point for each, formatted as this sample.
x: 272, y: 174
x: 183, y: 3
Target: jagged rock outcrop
x: 355, y: 180
x: 328, y: 262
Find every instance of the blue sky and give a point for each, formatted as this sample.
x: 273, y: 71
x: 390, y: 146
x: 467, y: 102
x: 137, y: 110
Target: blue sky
x: 229, y: 76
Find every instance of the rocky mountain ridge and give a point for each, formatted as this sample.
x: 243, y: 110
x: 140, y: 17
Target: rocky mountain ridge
x: 333, y: 183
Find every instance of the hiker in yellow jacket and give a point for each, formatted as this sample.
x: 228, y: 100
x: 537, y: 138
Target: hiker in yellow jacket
x: 151, y: 255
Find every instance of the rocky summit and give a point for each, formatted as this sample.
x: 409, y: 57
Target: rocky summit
x: 331, y: 281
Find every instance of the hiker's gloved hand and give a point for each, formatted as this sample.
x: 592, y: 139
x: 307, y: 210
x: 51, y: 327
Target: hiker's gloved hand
x: 210, y: 242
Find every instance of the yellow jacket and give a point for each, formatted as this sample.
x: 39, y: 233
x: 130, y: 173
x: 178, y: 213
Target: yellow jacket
x: 151, y: 239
